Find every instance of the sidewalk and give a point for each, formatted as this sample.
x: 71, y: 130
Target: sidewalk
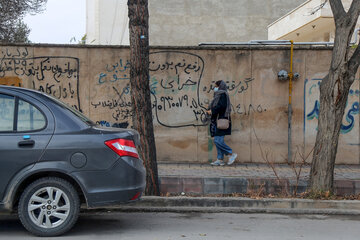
x: 204, y: 179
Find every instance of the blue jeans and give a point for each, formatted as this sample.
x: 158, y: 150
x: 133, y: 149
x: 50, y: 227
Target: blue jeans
x: 221, y: 147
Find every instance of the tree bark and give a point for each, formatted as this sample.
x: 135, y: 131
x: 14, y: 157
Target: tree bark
x: 140, y: 89
x: 334, y: 90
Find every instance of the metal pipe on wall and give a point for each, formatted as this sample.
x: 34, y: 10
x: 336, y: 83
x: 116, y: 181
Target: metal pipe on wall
x: 290, y: 99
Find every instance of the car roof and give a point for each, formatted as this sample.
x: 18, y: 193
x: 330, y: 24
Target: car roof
x: 55, y: 104
x: 21, y: 89
x: 27, y: 91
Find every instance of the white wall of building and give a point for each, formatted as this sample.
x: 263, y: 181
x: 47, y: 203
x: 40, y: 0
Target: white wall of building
x: 107, y: 22
x: 312, y: 21
x: 187, y: 22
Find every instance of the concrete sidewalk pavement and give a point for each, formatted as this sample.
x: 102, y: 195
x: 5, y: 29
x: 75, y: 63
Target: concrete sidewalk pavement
x: 204, y: 179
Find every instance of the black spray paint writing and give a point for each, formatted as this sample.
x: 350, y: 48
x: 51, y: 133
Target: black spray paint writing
x: 174, y: 82
x: 243, y: 109
x: 56, y: 76
x: 120, y: 105
x: 233, y: 87
x: 175, y: 86
x: 14, y: 53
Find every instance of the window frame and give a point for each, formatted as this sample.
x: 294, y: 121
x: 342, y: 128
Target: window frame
x: 16, y: 115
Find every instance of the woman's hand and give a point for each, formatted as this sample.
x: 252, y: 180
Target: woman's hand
x: 208, y: 112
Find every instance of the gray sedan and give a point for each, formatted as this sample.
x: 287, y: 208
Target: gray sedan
x: 53, y: 159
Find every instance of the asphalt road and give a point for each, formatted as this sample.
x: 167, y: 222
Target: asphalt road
x: 219, y: 226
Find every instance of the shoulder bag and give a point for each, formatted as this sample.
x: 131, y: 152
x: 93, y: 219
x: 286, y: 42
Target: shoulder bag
x: 222, y: 123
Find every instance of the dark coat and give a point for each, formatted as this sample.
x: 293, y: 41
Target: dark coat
x: 218, y: 111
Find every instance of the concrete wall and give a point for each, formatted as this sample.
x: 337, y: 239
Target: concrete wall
x: 96, y: 80
x: 187, y: 22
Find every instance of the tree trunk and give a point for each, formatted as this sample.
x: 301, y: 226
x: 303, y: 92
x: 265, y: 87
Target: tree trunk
x: 140, y: 89
x: 334, y: 90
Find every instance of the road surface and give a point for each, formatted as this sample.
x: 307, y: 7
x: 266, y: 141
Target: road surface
x: 217, y: 226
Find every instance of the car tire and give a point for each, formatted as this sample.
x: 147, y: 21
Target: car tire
x: 49, y: 207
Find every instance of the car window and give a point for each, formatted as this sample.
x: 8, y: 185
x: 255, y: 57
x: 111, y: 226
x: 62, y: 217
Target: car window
x: 74, y: 111
x: 7, y: 108
x: 29, y: 117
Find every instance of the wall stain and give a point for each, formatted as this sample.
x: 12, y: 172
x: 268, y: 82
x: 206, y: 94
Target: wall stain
x: 11, y: 81
x: 183, y: 144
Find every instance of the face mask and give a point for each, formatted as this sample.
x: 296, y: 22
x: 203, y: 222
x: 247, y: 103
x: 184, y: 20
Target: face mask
x: 216, y: 89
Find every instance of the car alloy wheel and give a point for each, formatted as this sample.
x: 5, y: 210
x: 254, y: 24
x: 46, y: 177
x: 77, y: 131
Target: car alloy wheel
x: 49, y: 207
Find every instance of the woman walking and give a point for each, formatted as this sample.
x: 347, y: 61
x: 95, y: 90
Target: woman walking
x: 220, y: 108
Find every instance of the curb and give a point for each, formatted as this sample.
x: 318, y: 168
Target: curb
x: 238, y: 205
x: 229, y: 185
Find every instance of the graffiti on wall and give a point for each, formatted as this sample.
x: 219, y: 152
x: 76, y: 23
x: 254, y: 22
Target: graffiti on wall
x: 175, y: 86
x: 117, y: 102
x: 57, y: 76
x: 110, y: 95
x: 179, y: 95
x: 312, y: 105
x: 115, y: 72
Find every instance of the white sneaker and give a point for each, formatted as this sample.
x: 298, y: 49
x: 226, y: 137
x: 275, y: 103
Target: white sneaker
x: 218, y: 163
x: 232, y: 159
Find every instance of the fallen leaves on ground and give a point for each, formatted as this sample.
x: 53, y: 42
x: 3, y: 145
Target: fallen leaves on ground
x: 304, y: 195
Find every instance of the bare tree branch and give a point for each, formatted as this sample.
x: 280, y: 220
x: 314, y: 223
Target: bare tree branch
x: 354, y: 61
x: 354, y: 8
x: 334, y: 92
x: 354, y: 13
x: 337, y: 9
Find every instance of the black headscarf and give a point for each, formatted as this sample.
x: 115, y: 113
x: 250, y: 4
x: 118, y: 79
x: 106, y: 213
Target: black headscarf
x: 217, y: 94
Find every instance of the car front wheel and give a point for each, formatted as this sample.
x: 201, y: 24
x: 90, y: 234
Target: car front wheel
x: 49, y: 207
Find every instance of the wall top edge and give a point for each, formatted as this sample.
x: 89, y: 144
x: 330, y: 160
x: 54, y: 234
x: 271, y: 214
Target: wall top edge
x: 209, y: 47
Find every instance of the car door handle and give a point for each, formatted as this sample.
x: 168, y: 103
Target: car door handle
x: 26, y: 143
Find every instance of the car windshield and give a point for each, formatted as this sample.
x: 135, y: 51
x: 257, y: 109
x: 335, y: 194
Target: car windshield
x: 73, y: 110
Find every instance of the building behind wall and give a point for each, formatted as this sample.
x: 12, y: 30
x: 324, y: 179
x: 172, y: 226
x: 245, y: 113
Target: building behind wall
x: 187, y: 22
x: 312, y: 21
